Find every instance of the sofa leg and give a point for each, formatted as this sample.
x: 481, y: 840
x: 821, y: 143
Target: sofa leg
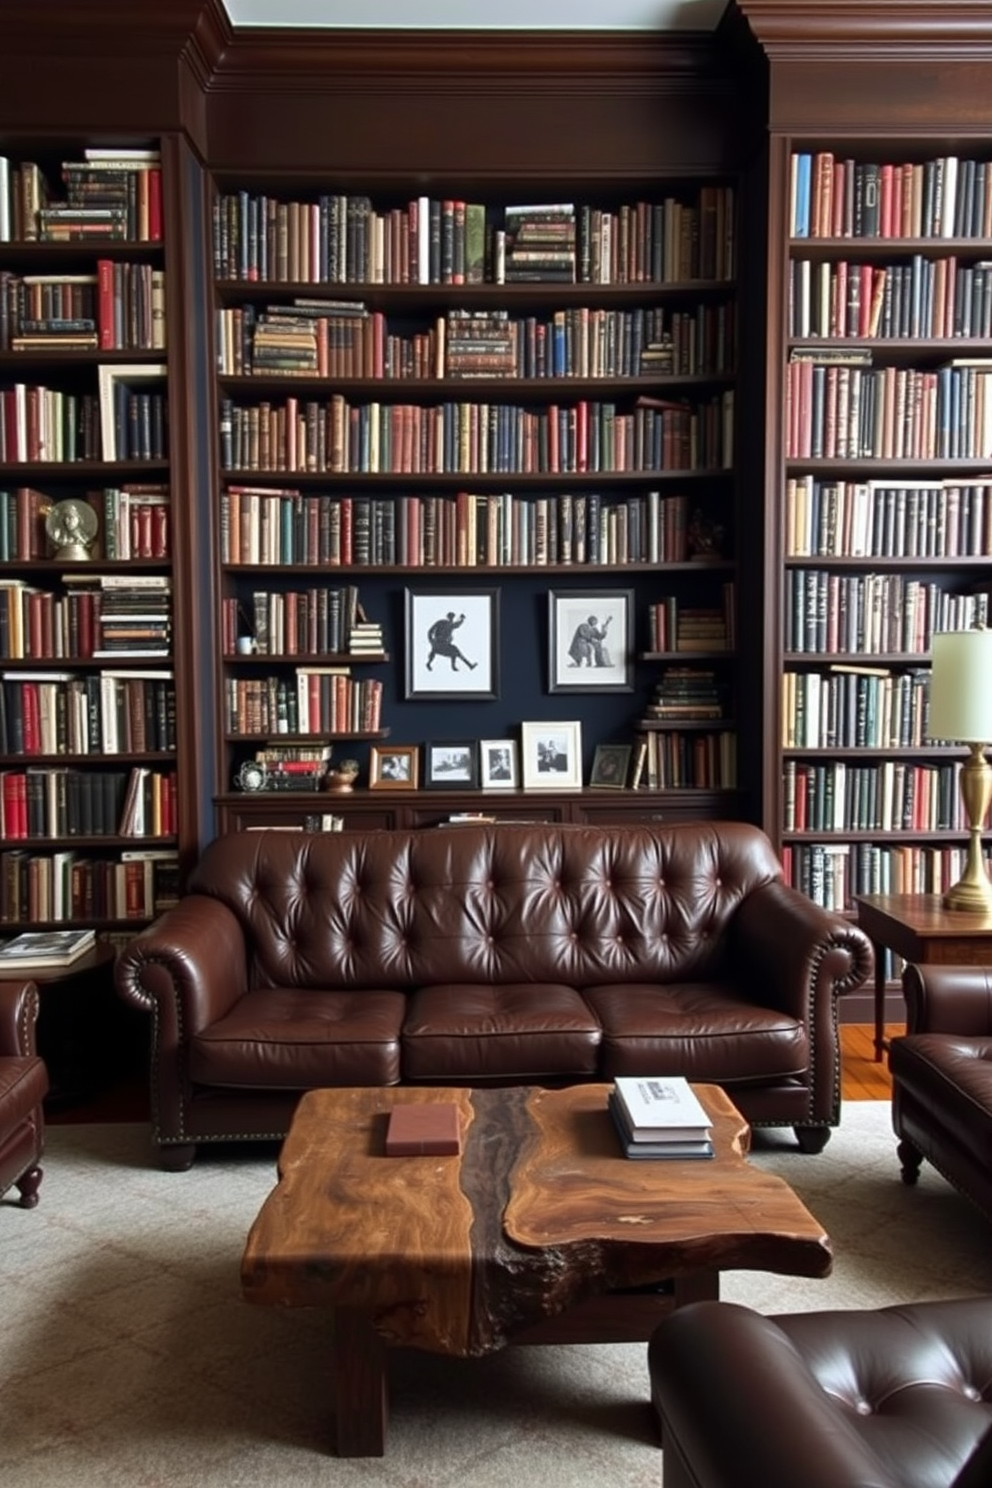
x: 27, y: 1186
x: 911, y: 1159
x: 812, y: 1139
x: 178, y: 1158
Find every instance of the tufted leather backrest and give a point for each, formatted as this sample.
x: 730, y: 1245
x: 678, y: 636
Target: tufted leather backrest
x: 487, y: 903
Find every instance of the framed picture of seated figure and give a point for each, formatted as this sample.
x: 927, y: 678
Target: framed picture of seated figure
x: 590, y: 640
x: 552, y: 755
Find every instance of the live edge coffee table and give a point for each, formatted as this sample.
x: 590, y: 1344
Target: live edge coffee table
x: 539, y: 1231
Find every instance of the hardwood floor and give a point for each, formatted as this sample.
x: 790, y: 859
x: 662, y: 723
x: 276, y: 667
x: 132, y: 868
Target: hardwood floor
x: 861, y: 1077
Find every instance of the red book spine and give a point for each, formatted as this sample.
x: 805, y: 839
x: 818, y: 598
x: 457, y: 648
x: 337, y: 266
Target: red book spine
x: 155, y: 204
x: 105, y: 304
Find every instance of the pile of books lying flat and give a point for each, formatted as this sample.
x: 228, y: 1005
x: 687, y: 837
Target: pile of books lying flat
x: 660, y: 1117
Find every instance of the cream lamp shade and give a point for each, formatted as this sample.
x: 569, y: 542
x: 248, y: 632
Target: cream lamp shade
x: 961, y: 687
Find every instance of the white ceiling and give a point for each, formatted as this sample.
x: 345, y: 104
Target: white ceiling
x: 515, y: 15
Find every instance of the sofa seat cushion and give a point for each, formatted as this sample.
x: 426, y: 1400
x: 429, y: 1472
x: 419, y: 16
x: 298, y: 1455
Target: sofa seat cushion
x: 521, y: 1030
x: 951, y: 1077
x: 23, y: 1086
x: 289, y: 1038
x: 701, y: 1030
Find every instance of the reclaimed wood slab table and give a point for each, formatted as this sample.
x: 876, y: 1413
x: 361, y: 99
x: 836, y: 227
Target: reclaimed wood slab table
x: 539, y: 1231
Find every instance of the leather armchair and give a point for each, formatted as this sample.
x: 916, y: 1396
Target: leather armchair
x: 894, y: 1397
x: 23, y: 1085
x: 942, y: 1077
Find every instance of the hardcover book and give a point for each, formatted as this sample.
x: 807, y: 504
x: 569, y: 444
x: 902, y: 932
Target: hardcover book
x: 45, y: 948
x: 423, y: 1130
x: 660, y: 1107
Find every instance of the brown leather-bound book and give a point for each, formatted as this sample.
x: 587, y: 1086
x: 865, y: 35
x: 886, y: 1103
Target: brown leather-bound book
x: 423, y: 1131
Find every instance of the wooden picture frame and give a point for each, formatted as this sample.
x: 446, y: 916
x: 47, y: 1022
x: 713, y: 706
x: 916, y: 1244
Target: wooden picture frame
x: 451, y: 764
x: 394, y: 767
x: 610, y: 766
x: 590, y: 640
x: 499, y: 765
x: 452, y: 643
x: 552, y: 755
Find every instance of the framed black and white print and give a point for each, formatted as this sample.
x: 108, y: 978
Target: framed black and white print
x: 452, y: 643
x: 450, y: 764
x: 610, y: 764
x: 498, y: 764
x: 590, y: 640
x: 552, y: 755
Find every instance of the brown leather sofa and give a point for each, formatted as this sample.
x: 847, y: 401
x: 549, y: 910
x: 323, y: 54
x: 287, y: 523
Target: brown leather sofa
x: 23, y: 1086
x: 897, y: 1397
x: 942, y: 1078
x: 488, y: 954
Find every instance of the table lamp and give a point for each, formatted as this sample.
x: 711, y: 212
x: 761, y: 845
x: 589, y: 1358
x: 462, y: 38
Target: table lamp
x: 961, y: 710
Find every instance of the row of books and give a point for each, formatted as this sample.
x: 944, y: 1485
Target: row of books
x: 133, y: 884
x: 110, y: 193
x: 892, y: 413
x: 464, y: 531
x: 892, y: 796
x: 660, y: 1117
x: 326, y: 338
x: 465, y: 438
x: 872, y: 614
x: 685, y: 760
x: 949, y: 518
x: 855, y: 707
x: 134, y: 521
x: 923, y: 297
x: 342, y: 239
x: 675, y: 626
x: 319, y: 621
x: 833, y: 873
x: 80, y: 624
x: 106, y: 712
x: 316, y: 700
x: 120, y: 307
x: 42, y: 425
x: 834, y: 197
x: 68, y: 802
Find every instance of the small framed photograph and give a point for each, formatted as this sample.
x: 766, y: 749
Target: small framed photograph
x: 393, y: 766
x: 590, y: 640
x: 498, y: 764
x: 450, y: 764
x: 552, y: 755
x: 452, y: 643
x: 610, y: 764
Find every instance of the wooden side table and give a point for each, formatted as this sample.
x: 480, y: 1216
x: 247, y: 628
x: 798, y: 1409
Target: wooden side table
x: 917, y: 927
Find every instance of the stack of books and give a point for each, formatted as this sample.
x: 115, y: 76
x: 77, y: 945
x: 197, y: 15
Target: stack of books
x: 660, y: 1117
x: 42, y: 948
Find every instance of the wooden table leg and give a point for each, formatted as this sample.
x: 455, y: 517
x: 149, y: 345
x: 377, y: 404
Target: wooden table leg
x: 881, y: 1044
x: 698, y: 1286
x: 359, y: 1385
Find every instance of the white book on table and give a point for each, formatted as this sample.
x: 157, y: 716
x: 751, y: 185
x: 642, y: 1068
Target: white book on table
x: 660, y: 1106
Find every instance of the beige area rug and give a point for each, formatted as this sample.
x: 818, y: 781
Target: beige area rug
x: 128, y: 1360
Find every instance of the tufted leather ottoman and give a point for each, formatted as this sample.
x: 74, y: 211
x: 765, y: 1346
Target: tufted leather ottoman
x: 942, y: 1078
x: 897, y: 1397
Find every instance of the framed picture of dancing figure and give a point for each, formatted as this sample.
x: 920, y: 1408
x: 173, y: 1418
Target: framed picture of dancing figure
x: 452, y: 643
x: 590, y: 640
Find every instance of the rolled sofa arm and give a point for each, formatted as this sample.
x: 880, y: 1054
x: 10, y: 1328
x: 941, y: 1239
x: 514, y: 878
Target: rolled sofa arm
x: 948, y: 999
x: 189, y: 967
x: 19, y: 1004
x: 790, y: 949
x: 739, y: 1406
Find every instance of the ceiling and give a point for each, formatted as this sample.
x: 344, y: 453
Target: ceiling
x: 514, y: 15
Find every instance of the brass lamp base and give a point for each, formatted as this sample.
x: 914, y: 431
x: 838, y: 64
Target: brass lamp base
x: 973, y: 890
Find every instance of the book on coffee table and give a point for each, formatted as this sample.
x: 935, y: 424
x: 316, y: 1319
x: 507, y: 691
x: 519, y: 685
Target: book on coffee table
x: 674, y: 1148
x: 425, y: 1130
x: 661, y: 1107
